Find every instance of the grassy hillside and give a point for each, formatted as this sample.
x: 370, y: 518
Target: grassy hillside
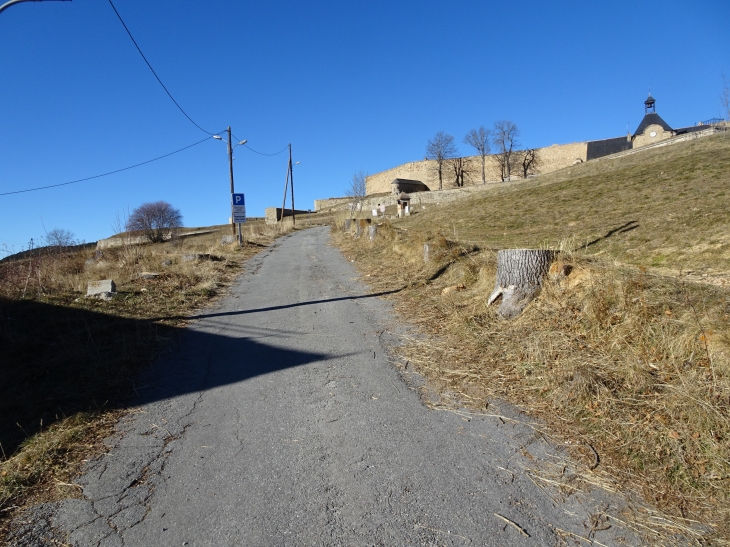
x: 666, y: 207
x: 624, y: 360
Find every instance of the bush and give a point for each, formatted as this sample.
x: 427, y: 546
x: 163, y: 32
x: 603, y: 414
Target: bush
x: 156, y: 221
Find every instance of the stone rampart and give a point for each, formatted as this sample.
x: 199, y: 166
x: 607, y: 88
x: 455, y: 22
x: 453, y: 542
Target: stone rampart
x: 551, y: 158
x: 273, y: 214
x: 324, y: 204
x: 666, y: 142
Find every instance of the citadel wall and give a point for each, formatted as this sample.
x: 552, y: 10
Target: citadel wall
x: 551, y: 158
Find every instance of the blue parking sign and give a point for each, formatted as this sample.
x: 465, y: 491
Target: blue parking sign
x: 238, y: 208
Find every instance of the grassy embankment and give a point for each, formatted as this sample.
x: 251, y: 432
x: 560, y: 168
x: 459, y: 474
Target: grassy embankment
x: 68, y: 362
x: 628, y: 355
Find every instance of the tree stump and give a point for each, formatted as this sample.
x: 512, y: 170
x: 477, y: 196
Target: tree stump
x: 372, y: 232
x: 348, y: 221
x: 519, y: 278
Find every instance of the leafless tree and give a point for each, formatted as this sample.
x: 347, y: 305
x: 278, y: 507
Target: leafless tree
x: 504, y: 139
x: 530, y: 161
x: 440, y: 149
x: 479, y: 139
x: 357, y: 190
x: 156, y: 221
x: 462, y: 170
x: 59, y: 238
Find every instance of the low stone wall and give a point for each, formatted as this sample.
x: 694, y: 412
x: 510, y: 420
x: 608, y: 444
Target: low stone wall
x: 323, y: 204
x: 674, y: 140
x: 435, y: 197
x: 273, y: 214
x: 118, y: 241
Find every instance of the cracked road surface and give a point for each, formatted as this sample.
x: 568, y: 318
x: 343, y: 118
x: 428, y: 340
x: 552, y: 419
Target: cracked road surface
x: 278, y: 420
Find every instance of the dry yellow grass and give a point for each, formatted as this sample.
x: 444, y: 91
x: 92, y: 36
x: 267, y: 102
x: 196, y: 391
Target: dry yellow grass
x: 616, y: 356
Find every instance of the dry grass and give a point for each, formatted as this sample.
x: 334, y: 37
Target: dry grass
x: 615, y: 356
x: 663, y: 208
x: 69, y: 362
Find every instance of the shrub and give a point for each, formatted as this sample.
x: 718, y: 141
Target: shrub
x: 156, y: 221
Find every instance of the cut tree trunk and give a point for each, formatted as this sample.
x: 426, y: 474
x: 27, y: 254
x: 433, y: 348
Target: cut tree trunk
x: 519, y: 278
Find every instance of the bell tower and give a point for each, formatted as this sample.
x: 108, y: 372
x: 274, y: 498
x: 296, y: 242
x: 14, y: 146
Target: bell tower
x: 649, y: 103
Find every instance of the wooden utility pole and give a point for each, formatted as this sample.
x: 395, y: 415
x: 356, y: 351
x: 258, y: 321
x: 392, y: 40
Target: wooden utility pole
x: 230, y: 168
x: 283, y: 203
x: 291, y: 173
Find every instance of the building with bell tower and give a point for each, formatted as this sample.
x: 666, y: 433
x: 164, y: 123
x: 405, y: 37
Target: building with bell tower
x: 652, y: 127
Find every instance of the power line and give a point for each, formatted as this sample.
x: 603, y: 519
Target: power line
x: 103, y: 174
x: 153, y: 72
x: 261, y: 153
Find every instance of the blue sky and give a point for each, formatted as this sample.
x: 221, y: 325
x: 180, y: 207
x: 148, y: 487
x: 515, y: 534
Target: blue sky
x: 350, y: 85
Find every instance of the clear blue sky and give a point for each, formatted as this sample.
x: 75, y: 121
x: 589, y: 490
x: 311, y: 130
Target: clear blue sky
x: 351, y: 85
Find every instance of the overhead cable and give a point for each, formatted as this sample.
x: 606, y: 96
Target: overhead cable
x: 153, y: 72
x: 103, y: 174
x: 261, y: 153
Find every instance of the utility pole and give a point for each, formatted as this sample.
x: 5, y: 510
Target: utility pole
x: 283, y: 203
x: 291, y: 171
x: 230, y: 168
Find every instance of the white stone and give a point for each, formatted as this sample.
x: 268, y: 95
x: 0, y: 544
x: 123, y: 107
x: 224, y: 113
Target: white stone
x: 99, y: 287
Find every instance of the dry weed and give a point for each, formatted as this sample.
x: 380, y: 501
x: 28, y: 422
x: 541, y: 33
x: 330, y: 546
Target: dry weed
x: 52, y: 393
x: 634, y: 365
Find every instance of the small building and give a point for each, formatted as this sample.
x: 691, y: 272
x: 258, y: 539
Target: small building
x: 408, y: 185
x: 404, y: 204
x: 652, y: 129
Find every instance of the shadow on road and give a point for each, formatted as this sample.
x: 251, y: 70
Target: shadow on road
x: 56, y: 361
x: 282, y: 307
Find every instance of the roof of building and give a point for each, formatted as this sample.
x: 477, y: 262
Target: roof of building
x: 409, y: 181
x: 651, y: 119
x: 404, y: 197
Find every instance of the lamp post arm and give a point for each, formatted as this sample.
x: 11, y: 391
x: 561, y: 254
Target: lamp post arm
x: 11, y: 2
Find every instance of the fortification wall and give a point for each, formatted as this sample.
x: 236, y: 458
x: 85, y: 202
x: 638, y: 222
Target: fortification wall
x: 551, y: 159
x: 328, y: 203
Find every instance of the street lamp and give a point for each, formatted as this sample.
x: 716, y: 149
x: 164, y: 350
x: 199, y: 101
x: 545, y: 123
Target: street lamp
x: 230, y: 165
x: 11, y: 2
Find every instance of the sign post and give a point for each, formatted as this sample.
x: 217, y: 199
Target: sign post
x: 238, y: 213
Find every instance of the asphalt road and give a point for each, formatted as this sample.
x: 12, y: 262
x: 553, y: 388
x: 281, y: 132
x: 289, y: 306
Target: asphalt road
x: 278, y: 419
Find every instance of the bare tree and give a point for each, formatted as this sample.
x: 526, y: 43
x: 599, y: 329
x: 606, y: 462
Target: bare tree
x: 357, y: 190
x: 156, y: 221
x: 440, y: 149
x: 462, y: 170
x: 479, y: 139
x: 530, y: 161
x: 59, y: 238
x: 504, y: 140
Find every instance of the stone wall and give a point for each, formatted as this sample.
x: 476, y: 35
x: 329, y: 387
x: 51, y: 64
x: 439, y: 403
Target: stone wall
x: 273, y: 214
x: 552, y: 158
x: 666, y: 142
x: 324, y: 204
